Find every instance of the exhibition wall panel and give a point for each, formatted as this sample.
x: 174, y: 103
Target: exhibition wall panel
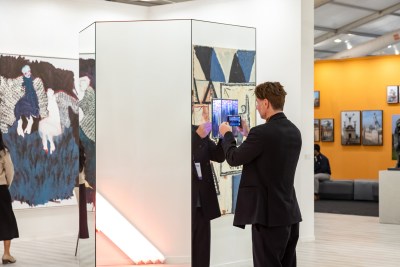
x: 143, y: 132
x: 357, y: 84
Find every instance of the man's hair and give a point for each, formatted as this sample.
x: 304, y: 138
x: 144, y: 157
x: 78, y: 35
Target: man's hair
x: 273, y: 92
x: 317, y: 148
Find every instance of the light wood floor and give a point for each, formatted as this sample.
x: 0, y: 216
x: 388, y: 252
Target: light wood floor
x: 351, y: 241
x: 341, y: 240
x: 55, y: 251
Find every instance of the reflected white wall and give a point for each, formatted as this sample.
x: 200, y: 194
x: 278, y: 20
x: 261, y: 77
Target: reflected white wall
x: 143, y: 128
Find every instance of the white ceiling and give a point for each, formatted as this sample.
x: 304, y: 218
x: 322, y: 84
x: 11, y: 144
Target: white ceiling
x: 354, y: 22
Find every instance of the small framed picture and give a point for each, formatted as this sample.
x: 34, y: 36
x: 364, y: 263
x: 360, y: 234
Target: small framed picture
x: 395, y: 135
x: 372, y: 127
x: 316, y: 130
x: 350, y: 127
x: 316, y: 98
x: 392, y: 94
x: 327, y: 130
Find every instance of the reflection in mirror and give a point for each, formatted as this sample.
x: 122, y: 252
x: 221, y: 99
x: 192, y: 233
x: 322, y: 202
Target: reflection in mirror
x: 86, y: 248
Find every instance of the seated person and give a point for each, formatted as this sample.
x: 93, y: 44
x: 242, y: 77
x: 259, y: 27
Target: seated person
x: 322, y: 170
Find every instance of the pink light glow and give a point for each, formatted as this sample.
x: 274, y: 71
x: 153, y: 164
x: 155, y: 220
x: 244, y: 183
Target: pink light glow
x: 124, y: 235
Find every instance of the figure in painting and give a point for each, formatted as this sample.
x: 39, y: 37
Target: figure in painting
x: 50, y: 126
x: 28, y: 105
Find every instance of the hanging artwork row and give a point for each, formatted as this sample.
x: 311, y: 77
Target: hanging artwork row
x: 357, y: 127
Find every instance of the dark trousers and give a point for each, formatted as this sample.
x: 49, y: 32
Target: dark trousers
x: 201, y: 240
x: 275, y: 246
x: 83, y: 222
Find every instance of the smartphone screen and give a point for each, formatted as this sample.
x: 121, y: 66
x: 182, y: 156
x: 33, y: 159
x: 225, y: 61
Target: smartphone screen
x: 234, y: 120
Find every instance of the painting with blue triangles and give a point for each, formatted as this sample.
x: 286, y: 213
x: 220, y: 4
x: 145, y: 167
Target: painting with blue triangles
x: 230, y: 74
x: 215, y: 68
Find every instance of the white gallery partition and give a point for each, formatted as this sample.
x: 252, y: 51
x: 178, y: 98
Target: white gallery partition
x: 143, y: 132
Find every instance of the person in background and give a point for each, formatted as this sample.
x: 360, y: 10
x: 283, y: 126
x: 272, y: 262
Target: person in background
x: 322, y: 169
x: 267, y: 198
x: 205, y: 205
x: 8, y: 223
x: 83, y: 184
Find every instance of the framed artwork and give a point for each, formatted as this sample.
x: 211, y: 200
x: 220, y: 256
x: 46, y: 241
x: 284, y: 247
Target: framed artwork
x: 372, y: 127
x: 327, y: 130
x: 316, y: 98
x: 316, y: 130
x: 392, y: 94
x: 350, y: 127
x: 395, y: 136
x: 39, y: 121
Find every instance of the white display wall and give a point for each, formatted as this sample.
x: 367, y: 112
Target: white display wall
x: 143, y: 132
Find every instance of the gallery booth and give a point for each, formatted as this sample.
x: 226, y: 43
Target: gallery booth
x: 141, y: 131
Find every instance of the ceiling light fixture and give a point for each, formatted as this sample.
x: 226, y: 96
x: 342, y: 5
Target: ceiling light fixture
x: 337, y: 40
x: 348, y: 45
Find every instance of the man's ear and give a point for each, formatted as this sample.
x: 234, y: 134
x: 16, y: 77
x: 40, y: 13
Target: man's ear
x: 267, y: 103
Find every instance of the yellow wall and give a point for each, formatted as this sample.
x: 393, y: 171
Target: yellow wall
x: 357, y: 84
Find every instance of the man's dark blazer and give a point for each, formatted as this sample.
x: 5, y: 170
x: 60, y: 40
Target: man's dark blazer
x: 269, y: 157
x: 204, y: 150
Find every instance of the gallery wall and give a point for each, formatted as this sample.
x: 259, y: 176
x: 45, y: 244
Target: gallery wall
x: 357, y: 84
x: 284, y: 50
x: 51, y: 29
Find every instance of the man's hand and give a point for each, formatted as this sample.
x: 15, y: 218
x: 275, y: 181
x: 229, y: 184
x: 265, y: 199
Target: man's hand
x: 224, y: 127
x: 244, y: 130
x: 204, y: 129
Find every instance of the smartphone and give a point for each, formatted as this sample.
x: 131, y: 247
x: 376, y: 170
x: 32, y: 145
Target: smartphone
x: 234, y: 120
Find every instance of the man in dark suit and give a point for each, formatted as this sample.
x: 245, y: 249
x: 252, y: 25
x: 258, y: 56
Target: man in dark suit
x: 267, y: 198
x: 205, y: 205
